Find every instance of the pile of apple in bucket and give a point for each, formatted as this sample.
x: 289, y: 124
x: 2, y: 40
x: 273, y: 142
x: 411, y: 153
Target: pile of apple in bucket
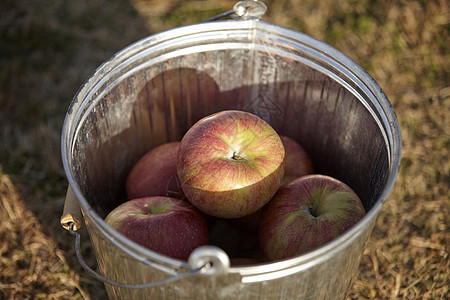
x: 234, y: 182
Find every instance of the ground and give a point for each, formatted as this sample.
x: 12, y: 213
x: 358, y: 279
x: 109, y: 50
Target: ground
x: 48, y: 48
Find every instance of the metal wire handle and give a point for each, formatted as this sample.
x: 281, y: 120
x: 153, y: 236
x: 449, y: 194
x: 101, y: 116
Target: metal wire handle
x: 220, y: 16
x: 196, y: 271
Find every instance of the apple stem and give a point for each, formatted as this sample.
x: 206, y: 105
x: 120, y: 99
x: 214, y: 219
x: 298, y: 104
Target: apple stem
x: 313, y: 210
x: 237, y: 156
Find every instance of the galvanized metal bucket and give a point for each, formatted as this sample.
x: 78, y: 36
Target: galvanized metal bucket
x: 152, y: 91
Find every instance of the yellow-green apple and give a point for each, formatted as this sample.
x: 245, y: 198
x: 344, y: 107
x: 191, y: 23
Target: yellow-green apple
x: 170, y: 226
x: 298, y: 162
x: 307, y: 213
x: 155, y: 174
x: 230, y: 163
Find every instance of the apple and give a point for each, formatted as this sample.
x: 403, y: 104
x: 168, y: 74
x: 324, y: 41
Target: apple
x: 298, y: 162
x: 230, y: 163
x: 307, y: 213
x: 155, y: 174
x: 170, y: 226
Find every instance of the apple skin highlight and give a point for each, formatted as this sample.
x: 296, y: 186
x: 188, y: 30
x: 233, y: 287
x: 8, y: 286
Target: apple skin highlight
x: 230, y: 164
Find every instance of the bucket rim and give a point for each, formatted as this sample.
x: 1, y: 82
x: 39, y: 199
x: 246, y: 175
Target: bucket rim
x: 171, y: 265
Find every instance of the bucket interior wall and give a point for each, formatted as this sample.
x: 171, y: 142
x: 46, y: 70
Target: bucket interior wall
x: 156, y: 103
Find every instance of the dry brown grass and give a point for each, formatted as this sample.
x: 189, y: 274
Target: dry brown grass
x: 30, y: 262
x: 48, y: 48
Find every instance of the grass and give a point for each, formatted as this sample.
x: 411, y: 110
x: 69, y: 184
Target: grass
x: 47, y: 50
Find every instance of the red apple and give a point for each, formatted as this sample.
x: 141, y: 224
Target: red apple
x: 170, y: 226
x: 155, y: 174
x: 297, y: 162
x: 230, y: 164
x: 307, y: 213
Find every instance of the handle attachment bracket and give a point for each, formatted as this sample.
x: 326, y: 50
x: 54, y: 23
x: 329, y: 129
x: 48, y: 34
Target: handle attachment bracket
x: 244, y: 10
